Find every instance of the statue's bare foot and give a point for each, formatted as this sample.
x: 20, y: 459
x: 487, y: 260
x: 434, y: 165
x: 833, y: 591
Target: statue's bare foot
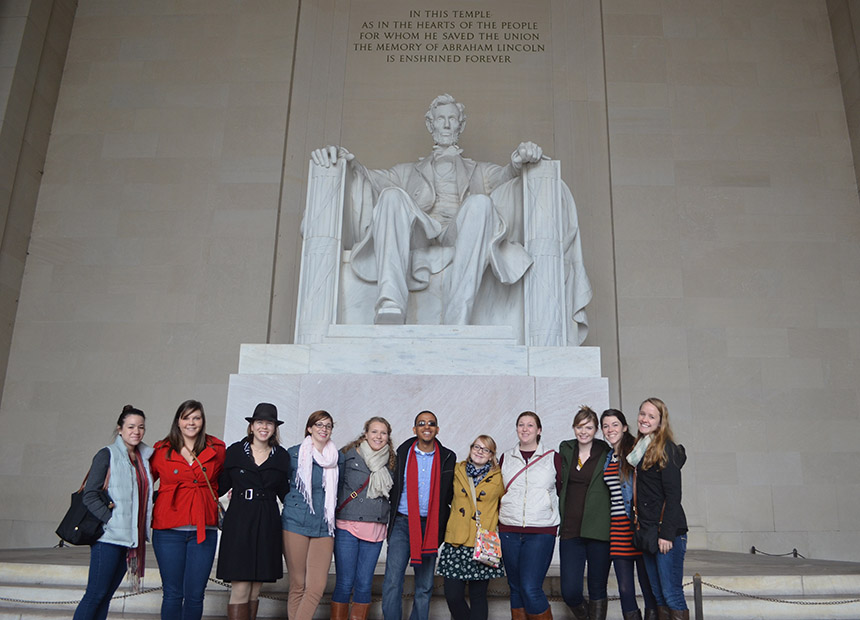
x: 389, y: 313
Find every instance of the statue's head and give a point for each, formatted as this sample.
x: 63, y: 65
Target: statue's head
x: 445, y: 119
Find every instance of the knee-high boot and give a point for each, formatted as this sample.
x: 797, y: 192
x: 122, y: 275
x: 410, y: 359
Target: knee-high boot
x: 633, y: 615
x: 518, y: 613
x: 580, y: 612
x: 544, y: 615
x: 359, y: 611
x: 253, y: 606
x: 237, y: 611
x: 679, y: 614
x: 339, y: 611
x: 597, y: 609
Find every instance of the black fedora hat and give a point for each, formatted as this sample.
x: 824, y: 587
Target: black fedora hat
x: 266, y: 412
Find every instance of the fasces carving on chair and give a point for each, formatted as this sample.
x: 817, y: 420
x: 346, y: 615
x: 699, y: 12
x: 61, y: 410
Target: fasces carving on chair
x: 448, y: 213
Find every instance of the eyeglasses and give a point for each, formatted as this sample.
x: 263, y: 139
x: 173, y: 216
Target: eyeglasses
x: 323, y: 426
x: 422, y: 423
x: 481, y: 449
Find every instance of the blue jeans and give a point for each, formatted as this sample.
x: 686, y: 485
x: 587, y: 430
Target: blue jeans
x: 107, y: 568
x: 626, y: 586
x: 666, y: 574
x: 395, y: 569
x: 527, y: 558
x: 574, y: 553
x: 185, y: 568
x: 354, y: 562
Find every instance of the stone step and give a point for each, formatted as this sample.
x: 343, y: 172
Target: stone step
x: 48, y: 584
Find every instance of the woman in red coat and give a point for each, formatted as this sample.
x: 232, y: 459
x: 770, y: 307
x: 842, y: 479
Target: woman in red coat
x: 185, y: 517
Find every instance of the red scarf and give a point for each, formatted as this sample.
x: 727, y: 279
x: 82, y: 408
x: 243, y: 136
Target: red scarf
x: 428, y: 543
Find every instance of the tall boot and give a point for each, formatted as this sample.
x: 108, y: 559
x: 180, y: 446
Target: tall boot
x: 651, y: 613
x: 518, y: 613
x: 544, y: 615
x: 597, y: 609
x: 359, y: 611
x: 253, y: 606
x: 237, y: 611
x: 633, y: 615
x: 339, y: 611
x: 679, y: 614
x: 580, y: 612
x: 663, y: 613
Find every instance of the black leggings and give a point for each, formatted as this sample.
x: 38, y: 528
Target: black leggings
x: 455, y: 594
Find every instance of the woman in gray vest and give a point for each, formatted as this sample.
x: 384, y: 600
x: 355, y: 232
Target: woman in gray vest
x: 122, y: 546
x: 362, y: 517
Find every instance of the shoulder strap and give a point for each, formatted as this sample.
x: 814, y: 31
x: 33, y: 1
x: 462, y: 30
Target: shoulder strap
x: 529, y: 464
x: 353, y: 495
x: 205, y: 477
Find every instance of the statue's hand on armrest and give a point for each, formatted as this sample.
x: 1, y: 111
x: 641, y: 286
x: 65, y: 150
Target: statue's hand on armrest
x: 328, y: 156
x: 526, y: 153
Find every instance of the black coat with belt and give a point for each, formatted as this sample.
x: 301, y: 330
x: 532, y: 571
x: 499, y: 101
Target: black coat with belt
x: 251, y: 538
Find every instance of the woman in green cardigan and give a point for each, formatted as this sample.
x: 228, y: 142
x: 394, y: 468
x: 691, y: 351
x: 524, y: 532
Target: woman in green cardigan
x: 584, y: 507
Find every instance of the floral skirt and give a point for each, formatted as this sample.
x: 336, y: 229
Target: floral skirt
x: 457, y: 563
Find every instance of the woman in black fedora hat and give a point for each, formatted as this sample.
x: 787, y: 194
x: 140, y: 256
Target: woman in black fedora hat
x: 257, y: 469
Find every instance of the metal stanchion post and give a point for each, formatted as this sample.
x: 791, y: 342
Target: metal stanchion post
x: 697, y: 596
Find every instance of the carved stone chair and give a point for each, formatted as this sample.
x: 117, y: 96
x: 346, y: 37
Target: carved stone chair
x: 535, y: 307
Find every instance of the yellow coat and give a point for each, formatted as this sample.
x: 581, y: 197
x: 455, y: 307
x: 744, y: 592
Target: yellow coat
x: 461, y: 524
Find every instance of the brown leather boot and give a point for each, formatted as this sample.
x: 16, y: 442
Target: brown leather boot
x: 663, y: 613
x: 580, y: 612
x: 518, y: 613
x: 597, y: 609
x: 252, y: 609
x: 679, y: 614
x: 237, y: 611
x: 359, y: 611
x: 651, y: 613
x: 339, y: 611
x: 544, y: 615
x: 634, y: 615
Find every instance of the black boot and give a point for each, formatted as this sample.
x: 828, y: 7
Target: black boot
x: 651, y: 613
x: 580, y: 612
x: 634, y: 615
x: 597, y: 609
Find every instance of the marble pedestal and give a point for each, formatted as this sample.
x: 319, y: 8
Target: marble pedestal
x: 475, y: 378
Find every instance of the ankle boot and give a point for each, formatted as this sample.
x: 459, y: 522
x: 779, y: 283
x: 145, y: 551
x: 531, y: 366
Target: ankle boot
x: 651, y: 613
x: 518, y: 613
x: 545, y: 615
x: 580, y: 612
x: 339, y: 611
x: 237, y: 611
x: 597, y: 609
x: 663, y: 613
x: 634, y: 615
x: 252, y: 609
x: 679, y: 614
x: 359, y: 611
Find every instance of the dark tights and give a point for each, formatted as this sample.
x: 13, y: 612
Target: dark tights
x: 455, y: 594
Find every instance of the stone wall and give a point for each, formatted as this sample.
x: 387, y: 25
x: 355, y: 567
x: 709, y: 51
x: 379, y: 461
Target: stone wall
x: 705, y: 142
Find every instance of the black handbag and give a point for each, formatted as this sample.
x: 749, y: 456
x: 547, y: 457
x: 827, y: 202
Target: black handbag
x: 645, y: 537
x: 80, y: 526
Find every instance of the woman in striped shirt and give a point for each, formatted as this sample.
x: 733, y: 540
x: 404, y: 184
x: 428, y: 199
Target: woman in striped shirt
x: 618, y: 475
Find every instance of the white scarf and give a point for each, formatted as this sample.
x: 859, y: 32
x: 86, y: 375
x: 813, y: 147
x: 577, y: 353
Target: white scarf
x: 377, y: 462
x: 638, y: 450
x: 327, y: 459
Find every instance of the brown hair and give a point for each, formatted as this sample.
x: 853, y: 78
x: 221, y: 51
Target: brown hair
x: 536, y: 419
x: 392, y: 455
x: 625, y: 444
x: 274, y: 438
x: 585, y: 414
x: 174, y: 436
x: 656, y: 452
x: 315, y: 417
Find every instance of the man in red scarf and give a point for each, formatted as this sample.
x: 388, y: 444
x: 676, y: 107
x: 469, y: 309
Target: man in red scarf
x: 420, y: 504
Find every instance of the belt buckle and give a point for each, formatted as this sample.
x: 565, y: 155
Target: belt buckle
x: 249, y: 493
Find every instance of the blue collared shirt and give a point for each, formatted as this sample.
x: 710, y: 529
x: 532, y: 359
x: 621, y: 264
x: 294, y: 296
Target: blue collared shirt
x: 425, y: 472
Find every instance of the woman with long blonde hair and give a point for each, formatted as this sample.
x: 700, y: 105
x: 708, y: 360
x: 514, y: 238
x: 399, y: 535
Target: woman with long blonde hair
x: 661, y: 522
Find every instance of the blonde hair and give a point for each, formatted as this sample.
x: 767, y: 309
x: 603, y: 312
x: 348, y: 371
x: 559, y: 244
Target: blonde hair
x: 490, y: 443
x: 656, y: 452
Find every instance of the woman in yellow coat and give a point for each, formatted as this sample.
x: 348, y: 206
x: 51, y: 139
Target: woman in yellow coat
x: 480, y: 472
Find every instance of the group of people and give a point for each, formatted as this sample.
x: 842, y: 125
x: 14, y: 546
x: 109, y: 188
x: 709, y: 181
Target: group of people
x: 607, y: 503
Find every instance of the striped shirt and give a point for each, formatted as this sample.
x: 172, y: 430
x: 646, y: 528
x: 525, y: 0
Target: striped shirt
x: 620, y: 528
